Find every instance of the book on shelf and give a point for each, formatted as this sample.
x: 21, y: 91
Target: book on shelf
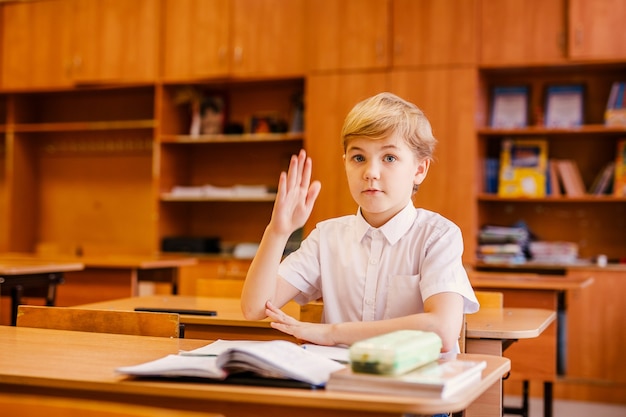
x: 603, y: 183
x: 554, y: 182
x: 439, y: 379
x: 571, y: 178
x: 619, y: 182
x: 615, y: 114
x: 523, y: 167
x: 265, y: 362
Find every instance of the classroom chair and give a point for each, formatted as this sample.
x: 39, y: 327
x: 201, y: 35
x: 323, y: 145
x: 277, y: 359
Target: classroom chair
x: 25, y: 405
x: 100, y: 321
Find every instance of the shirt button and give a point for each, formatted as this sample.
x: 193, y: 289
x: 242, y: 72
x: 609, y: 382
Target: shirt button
x: 369, y: 302
x: 373, y: 261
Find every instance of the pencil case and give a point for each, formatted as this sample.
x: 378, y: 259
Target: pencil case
x: 395, y: 353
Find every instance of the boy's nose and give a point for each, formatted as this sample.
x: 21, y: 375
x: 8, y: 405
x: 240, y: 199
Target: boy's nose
x: 372, y: 171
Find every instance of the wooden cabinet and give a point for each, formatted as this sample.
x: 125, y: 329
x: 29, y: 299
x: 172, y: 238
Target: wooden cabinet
x: 243, y: 38
x: 596, y: 29
x: 36, y: 49
x: 348, y: 34
x: 522, y: 32
x: 78, y: 169
x: 596, y: 337
x: 223, y: 163
x: 196, y: 39
x: 433, y: 32
x: 591, y: 221
x: 115, y: 41
x: 59, y: 43
x: 543, y: 32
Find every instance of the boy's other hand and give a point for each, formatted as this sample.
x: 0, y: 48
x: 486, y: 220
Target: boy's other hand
x: 316, y: 333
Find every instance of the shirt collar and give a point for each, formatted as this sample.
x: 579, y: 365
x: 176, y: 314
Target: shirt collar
x: 394, y: 229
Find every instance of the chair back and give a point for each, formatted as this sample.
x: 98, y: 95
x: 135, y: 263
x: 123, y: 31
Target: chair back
x: 100, y: 321
x: 490, y: 299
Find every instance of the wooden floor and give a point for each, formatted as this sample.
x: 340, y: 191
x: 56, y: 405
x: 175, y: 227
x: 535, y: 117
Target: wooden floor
x: 567, y: 408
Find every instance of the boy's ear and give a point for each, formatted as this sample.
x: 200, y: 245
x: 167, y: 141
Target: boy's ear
x: 422, y: 170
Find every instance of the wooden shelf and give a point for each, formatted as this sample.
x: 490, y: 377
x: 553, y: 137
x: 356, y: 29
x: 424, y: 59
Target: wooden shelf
x: 244, y: 199
x: 248, y: 137
x: 584, y: 199
x: 542, y: 130
x: 84, y: 126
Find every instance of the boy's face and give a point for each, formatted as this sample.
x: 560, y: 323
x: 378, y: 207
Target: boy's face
x: 381, y: 175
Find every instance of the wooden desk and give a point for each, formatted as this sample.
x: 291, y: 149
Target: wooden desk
x: 42, y: 277
x: 541, y: 358
x: 107, y: 277
x: 76, y: 364
x: 229, y: 322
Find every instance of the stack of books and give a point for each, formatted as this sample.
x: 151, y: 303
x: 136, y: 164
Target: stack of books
x: 503, y: 245
x: 554, y: 252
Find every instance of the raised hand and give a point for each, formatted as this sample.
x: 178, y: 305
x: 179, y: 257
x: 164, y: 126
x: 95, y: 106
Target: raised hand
x: 296, y: 195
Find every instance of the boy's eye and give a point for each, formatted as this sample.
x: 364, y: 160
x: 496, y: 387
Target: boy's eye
x: 358, y: 158
x: 389, y: 158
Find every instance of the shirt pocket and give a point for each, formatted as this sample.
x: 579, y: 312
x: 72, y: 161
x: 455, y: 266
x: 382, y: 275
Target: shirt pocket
x: 403, y: 296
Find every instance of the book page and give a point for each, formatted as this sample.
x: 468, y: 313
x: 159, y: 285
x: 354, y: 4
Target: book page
x: 177, y: 365
x: 280, y: 358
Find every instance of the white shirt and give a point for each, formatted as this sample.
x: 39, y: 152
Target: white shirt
x: 365, y: 273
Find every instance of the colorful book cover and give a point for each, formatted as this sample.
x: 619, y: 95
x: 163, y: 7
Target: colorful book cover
x: 619, y: 183
x: 523, y: 168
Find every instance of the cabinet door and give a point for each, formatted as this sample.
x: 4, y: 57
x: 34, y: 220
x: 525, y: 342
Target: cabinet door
x: 522, y: 32
x: 196, y: 38
x: 447, y: 98
x: 35, y: 44
x: 596, y: 330
x: 434, y: 32
x: 329, y: 99
x: 597, y: 29
x: 268, y: 38
x: 115, y: 40
x: 348, y: 34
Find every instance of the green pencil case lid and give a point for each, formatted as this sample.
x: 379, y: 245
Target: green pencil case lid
x: 395, y: 353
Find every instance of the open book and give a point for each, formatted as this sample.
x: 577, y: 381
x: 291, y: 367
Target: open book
x: 276, y: 359
x: 438, y: 379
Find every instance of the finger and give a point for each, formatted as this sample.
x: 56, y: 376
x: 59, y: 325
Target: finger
x: 282, y: 186
x: 282, y: 327
x: 306, y: 173
x: 301, y: 167
x: 292, y: 173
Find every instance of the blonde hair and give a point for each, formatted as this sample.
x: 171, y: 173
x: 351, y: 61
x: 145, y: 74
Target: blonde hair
x: 385, y: 114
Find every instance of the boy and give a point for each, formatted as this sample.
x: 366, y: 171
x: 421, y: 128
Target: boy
x: 390, y: 266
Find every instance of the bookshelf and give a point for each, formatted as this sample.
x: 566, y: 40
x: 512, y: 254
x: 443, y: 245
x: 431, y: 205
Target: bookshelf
x: 224, y: 160
x: 594, y: 222
x: 78, y: 168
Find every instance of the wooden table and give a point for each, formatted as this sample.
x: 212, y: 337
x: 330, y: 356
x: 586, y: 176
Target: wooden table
x: 18, y: 275
x: 542, y: 358
x: 78, y: 364
x: 488, y: 332
x: 110, y: 276
x: 229, y: 322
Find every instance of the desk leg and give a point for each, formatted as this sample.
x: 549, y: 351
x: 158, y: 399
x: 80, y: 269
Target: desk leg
x: 52, y: 288
x: 16, y: 300
x: 547, y: 399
